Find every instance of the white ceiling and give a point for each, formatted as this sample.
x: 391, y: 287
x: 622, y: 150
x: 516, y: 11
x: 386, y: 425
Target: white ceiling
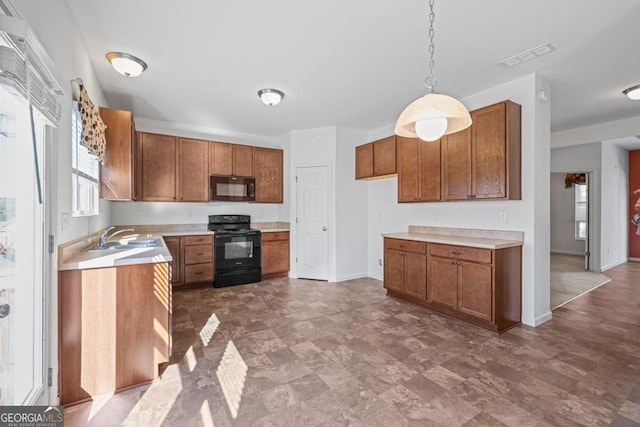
x: 355, y: 63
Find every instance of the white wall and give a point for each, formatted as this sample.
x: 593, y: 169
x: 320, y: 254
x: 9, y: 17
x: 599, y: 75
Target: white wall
x: 595, y: 133
x: 585, y: 158
x: 134, y: 213
x: 530, y: 215
x: 615, y: 206
x: 351, y: 208
x: 53, y: 24
x: 563, y: 207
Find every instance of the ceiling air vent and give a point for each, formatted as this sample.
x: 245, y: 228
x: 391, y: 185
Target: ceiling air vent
x: 528, y: 55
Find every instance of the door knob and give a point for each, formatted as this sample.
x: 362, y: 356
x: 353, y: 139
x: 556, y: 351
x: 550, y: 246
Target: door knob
x: 324, y: 228
x: 5, y: 309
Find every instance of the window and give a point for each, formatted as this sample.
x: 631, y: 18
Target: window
x: 581, y: 211
x: 85, y: 171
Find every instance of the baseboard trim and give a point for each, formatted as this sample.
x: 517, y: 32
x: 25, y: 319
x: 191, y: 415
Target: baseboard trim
x: 538, y: 320
x: 561, y: 252
x: 633, y: 259
x: 612, y: 265
x: 351, y: 277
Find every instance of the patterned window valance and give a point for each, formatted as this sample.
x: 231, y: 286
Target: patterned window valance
x: 93, y: 128
x: 574, y: 178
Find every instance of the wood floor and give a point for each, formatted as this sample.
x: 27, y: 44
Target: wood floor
x: 297, y: 353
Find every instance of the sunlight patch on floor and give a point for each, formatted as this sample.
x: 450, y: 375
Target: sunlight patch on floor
x: 190, y: 358
x: 209, y: 328
x: 231, y: 374
x: 205, y: 415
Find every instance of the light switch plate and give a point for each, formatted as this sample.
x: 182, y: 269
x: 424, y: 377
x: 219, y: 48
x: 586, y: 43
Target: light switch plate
x: 503, y: 216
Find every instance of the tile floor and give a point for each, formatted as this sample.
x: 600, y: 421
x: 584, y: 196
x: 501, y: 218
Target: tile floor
x: 303, y: 353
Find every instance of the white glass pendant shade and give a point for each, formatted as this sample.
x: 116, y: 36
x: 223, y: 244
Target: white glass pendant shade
x: 633, y: 92
x: 270, y: 96
x: 125, y: 64
x: 431, y: 129
x: 429, y: 107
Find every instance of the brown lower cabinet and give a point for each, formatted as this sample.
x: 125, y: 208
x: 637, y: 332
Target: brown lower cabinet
x: 480, y: 286
x: 275, y: 254
x: 192, y: 263
x: 114, y: 328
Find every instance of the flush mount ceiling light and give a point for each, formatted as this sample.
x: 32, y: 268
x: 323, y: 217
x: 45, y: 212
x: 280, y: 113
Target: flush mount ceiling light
x: 633, y: 92
x: 270, y: 96
x: 125, y: 64
x: 433, y: 115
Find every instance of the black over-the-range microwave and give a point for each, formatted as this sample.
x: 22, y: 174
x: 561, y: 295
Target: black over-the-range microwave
x: 232, y: 189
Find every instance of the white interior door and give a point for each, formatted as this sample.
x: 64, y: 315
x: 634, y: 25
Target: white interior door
x: 312, y: 213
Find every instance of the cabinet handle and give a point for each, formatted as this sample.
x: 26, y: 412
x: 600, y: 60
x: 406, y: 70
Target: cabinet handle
x: 197, y: 273
x: 456, y: 253
x: 199, y: 254
x: 403, y: 246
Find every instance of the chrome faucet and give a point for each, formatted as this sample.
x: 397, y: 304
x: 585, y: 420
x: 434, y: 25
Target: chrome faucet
x: 104, y: 237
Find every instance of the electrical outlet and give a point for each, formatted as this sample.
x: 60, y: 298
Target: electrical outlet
x: 188, y: 214
x: 66, y: 221
x: 139, y: 214
x: 379, y: 261
x: 503, y: 216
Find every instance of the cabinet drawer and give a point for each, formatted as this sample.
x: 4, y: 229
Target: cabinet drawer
x: 198, y: 273
x: 280, y: 235
x: 405, y: 245
x: 197, y: 254
x: 461, y: 253
x: 198, y: 240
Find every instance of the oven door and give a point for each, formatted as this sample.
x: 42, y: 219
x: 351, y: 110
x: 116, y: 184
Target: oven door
x: 237, y: 251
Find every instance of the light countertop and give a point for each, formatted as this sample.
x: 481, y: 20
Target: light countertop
x: 475, y: 238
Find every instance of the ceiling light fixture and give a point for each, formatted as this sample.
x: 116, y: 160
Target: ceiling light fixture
x: 125, y: 64
x: 433, y: 115
x: 633, y: 92
x: 270, y: 96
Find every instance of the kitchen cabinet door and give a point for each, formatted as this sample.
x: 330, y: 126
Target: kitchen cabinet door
x: 415, y: 271
x: 159, y: 155
x: 394, y: 270
x: 268, y: 167
x: 193, y: 177
x: 117, y: 167
x: 408, y: 170
x: 429, y: 170
x: 456, y: 166
x: 364, y: 161
x: 384, y: 156
x: 220, y: 159
x: 442, y: 285
x: 275, y: 257
x: 242, y: 160
x: 475, y: 290
x: 489, y: 152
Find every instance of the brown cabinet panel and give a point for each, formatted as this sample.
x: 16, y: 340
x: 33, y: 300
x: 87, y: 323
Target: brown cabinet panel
x: 268, y: 168
x: 173, y: 244
x: 393, y: 270
x: 489, y: 152
x: 196, y: 273
x: 474, y: 290
x: 461, y: 252
x: 197, y: 254
x: 193, y: 177
x: 429, y: 154
x: 159, y: 154
x: 275, y: 256
x: 117, y: 167
x: 198, y: 240
x: 364, y: 161
x: 220, y: 159
x: 456, y: 166
x: 405, y: 245
x: 415, y: 283
x: 384, y: 156
x: 408, y: 170
x: 126, y: 335
x: 443, y: 282
x: 268, y: 236
x: 242, y: 160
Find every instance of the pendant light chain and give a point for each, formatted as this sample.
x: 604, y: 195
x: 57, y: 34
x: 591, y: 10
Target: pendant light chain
x: 431, y: 81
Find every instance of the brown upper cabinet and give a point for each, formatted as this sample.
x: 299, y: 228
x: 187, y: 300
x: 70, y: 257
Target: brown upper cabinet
x: 117, y: 166
x: 157, y: 156
x: 268, y: 168
x: 418, y: 170
x: 192, y: 170
x: 483, y: 161
x: 376, y: 159
x: 230, y: 159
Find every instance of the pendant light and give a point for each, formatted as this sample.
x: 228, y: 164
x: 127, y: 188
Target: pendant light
x: 433, y: 115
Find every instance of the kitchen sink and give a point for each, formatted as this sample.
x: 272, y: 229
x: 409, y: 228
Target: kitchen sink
x: 126, y: 244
